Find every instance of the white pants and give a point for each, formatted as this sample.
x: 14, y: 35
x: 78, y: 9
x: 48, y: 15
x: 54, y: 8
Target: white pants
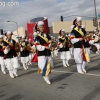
x: 88, y: 50
x: 31, y: 55
x: 78, y: 55
x: 65, y: 55
x: 12, y: 63
x: 97, y: 45
x: 2, y: 63
x: 71, y: 50
x: 79, y: 59
x: 42, y: 60
x: 65, y: 62
x: 55, y: 52
x: 81, y: 66
x: 52, y: 53
x: 25, y: 59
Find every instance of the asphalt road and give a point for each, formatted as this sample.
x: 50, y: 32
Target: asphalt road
x: 67, y: 84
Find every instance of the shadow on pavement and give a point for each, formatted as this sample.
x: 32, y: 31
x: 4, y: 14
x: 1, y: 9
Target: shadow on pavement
x: 16, y: 97
x: 92, y: 94
x: 2, y: 96
x: 3, y: 85
x: 60, y: 77
x: 29, y: 72
x: 94, y: 68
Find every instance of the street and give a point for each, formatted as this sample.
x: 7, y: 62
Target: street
x: 67, y: 84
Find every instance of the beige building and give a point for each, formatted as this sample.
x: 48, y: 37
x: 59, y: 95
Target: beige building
x: 20, y: 32
x: 56, y: 26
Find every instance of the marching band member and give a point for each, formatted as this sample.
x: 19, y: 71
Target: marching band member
x: 30, y: 54
x: 44, y: 54
x: 3, y: 46
x: 63, y: 48
x: 96, y: 40
x: 77, y: 39
x: 11, y: 59
x: 24, y: 54
x: 71, y: 48
x: 55, y: 51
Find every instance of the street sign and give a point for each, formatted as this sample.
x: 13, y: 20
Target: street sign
x: 99, y: 15
x: 17, y: 37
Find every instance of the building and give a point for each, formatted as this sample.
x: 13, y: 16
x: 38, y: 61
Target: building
x: 21, y: 31
x: 56, y: 26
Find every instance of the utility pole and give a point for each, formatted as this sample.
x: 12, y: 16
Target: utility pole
x: 96, y: 15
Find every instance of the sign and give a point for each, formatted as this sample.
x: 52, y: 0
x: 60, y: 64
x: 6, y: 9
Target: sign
x: 99, y: 15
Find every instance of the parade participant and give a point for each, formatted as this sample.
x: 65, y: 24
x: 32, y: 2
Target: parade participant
x: 64, y: 48
x: 11, y: 59
x: 96, y: 40
x: 30, y: 53
x: 77, y: 39
x: 3, y: 46
x: 44, y: 54
x: 56, y: 49
x: 24, y: 54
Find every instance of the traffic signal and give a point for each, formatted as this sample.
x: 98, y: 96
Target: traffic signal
x: 61, y: 18
x: 94, y: 22
x: 1, y: 31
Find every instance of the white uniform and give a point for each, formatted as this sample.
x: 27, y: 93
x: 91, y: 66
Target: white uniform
x: 11, y: 60
x: 64, y: 53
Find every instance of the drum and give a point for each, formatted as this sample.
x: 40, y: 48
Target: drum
x: 53, y: 45
x: 93, y: 48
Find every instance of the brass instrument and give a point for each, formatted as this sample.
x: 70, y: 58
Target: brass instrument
x: 88, y: 36
x: 17, y: 47
x: 28, y: 48
x: 67, y: 43
x: 54, y: 45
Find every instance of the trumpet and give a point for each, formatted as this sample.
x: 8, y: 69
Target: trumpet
x: 28, y: 48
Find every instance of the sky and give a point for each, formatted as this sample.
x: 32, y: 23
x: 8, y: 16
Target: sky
x: 53, y: 9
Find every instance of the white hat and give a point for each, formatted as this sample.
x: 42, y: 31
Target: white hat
x: 9, y: 33
x: 40, y: 23
x: 78, y: 19
x: 63, y: 30
x: 72, y: 26
x: 1, y: 36
x: 94, y: 30
x: 23, y: 36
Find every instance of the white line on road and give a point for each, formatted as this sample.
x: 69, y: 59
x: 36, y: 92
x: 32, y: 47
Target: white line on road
x: 76, y: 73
x: 88, y: 74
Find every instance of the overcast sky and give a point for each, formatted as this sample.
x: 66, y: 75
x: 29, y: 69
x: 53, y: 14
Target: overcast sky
x: 53, y: 9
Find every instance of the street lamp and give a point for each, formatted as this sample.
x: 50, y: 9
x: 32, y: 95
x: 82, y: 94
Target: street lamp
x: 17, y: 28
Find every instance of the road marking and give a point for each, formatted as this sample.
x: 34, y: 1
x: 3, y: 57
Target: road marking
x: 88, y: 74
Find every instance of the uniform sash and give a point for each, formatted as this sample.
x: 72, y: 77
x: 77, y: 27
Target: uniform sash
x: 44, y: 38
